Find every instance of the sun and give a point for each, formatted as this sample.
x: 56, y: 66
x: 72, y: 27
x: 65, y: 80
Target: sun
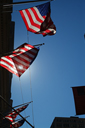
x: 20, y: 67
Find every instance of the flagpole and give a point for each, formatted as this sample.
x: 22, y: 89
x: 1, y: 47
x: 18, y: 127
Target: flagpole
x: 39, y: 44
x: 15, y: 110
x: 22, y: 104
x: 21, y: 118
x: 25, y: 2
x: 7, y: 120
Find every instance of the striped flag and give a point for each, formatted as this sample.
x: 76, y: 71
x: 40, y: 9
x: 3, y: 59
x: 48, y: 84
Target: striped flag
x: 11, y: 116
x: 37, y: 19
x: 20, y: 59
x: 17, y: 123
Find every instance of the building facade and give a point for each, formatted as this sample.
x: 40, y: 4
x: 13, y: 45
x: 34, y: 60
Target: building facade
x: 6, y: 45
x: 64, y: 122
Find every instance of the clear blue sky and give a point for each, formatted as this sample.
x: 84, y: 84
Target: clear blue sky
x: 59, y: 65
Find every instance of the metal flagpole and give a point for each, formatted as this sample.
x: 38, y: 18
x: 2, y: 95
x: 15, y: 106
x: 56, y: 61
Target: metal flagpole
x: 21, y: 118
x: 39, y: 44
x: 22, y: 104
x: 25, y: 2
x: 15, y: 110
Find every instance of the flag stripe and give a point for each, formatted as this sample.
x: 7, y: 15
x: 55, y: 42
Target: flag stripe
x: 26, y: 57
x: 9, y: 68
x: 22, y: 61
x: 33, y: 18
x: 18, y: 64
x: 30, y: 26
x: 39, y: 17
x: 8, y: 65
x: 8, y: 60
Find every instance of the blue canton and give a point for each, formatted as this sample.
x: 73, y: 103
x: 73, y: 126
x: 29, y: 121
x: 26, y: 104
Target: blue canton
x: 44, y: 9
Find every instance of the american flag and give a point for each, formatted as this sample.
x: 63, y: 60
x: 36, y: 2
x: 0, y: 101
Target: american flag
x: 20, y: 59
x: 37, y: 19
x: 11, y: 116
x: 17, y: 123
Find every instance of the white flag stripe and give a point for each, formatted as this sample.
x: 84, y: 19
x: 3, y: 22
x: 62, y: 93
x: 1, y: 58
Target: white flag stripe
x: 15, y: 124
x: 14, y: 55
x: 27, y: 47
x: 22, y: 50
x: 29, y: 23
x: 38, y: 13
x: 18, y: 50
x: 32, y: 49
x: 17, y: 54
x: 33, y: 17
x: 13, y: 69
x: 4, y: 58
x: 52, y: 30
x: 10, y: 118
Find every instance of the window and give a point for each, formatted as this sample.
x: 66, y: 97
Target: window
x: 66, y: 120
x: 80, y: 121
x: 73, y: 126
x: 66, y: 125
x: 81, y: 126
x: 59, y: 120
x: 59, y: 125
x: 73, y: 121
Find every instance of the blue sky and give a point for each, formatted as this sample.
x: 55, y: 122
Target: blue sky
x: 59, y: 65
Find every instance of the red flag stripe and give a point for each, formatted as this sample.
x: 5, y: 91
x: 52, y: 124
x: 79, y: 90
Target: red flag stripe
x: 26, y: 20
x: 31, y: 52
x: 32, y: 18
x: 9, y: 69
x: 8, y: 65
x: 8, y: 60
x: 37, y: 15
x: 34, y: 50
